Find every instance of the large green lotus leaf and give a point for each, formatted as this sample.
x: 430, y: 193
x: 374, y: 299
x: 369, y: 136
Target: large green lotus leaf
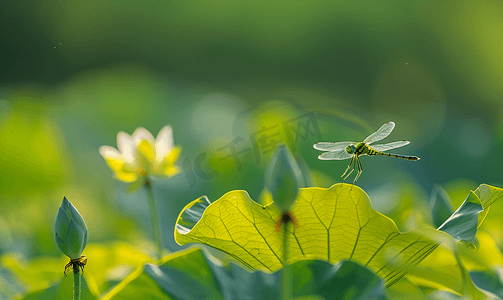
x: 331, y: 224
x: 404, y: 290
x: 190, y: 274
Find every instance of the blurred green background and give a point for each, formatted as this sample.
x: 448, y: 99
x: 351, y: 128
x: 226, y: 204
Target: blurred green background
x: 240, y: 76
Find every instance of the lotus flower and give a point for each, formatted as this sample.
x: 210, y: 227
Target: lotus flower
x: 140, y: 155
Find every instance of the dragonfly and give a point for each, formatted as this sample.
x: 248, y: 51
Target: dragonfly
x: 353, y: 150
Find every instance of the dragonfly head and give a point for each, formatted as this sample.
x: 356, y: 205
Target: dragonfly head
x: 351, y: 149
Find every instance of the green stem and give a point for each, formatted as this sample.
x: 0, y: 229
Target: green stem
x: 286, y: 273
x: 154, y: 217
x: 76, y: 282
x: 462, y: 270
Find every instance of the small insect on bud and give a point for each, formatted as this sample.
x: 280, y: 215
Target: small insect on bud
x: 76, y: 263
x: 283, y: 178
x: 71, y: 233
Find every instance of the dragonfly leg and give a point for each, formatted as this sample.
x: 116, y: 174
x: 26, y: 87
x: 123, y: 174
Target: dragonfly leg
x: 353, y: 162
x: 349, y: 166
x: 349, y: 173
x: 360, y: 169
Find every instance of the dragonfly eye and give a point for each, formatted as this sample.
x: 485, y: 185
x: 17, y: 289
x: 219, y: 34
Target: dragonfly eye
x: 351, y: 149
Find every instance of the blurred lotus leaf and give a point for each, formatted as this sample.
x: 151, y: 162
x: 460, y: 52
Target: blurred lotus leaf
x: 190, y: 274
x: 43, y: 278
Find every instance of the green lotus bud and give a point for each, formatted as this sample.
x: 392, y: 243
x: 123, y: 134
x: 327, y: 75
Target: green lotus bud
x: 283, y: 178
x: 70, y: 230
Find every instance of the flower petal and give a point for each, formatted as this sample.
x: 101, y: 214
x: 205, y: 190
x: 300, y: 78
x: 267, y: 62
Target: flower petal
x: 61, y: 223
x: 86, y: 237
x: 172, y: 157
x: 168, y: 167
x: 163, y: 143
x: 110, y: 152
x: 171, y: 171
x: 61, y: 244
x: 113, y: 158
x: 115, y: 165
x: 126, y: 146
x: 77, y: 217
x: 145, y: 150
x: 143, y: 157
x: 126, y: 176
x: 142, y: 134
x: 74, y: 240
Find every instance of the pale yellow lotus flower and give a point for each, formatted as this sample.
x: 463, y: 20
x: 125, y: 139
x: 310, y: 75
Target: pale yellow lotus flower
x: 140, y: 155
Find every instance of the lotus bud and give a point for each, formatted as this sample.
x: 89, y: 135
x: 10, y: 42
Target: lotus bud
x: 70, y: 230
x: 283, y: 178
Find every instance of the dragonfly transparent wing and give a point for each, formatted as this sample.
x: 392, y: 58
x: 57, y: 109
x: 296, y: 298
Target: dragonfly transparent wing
x: 324, y: 146
x: 381, y: 133
x: 389, y: 146
x: 335, y: 155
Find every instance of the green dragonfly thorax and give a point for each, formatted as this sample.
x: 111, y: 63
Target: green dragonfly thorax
x: 359, y: 149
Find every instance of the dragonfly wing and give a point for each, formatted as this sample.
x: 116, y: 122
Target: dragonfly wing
x: 335, y: 155
x: 324, y: 146
x: 380, y: 134
x: 389, y: 146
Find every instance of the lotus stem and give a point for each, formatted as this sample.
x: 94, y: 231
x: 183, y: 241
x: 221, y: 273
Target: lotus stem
x: 154, y: 218
x: 286, y: 273
x: 76, y: 282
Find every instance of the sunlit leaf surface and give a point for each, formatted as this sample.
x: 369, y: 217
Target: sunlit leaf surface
x: 332, y: 224
x: 487, y: 195
x: 190, y: 274
x: 404, y: 290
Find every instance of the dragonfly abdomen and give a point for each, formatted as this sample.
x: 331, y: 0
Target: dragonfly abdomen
x: 407, y: 157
